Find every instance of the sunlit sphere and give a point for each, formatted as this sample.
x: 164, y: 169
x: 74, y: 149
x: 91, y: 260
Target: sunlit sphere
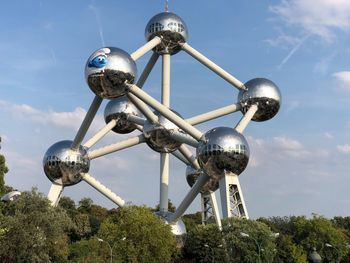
x: 119, y: 109
x: 108, y: 71
x: 158, y: 135
x: 11, y: 196
x: 171, y: 28
x: 222, y: 150
x: 192, y: 176
x: 265, y: 94
x: 178, y: 228
x: 62, y: 165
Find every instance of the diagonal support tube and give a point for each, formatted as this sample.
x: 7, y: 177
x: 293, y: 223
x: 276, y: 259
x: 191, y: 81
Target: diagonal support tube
x: 212, y: 66
x: 183, y: 138
x: 86, y: 122
x: 195, y: 133
x: 191, y: 195
x: 116, y: 146
x: 146, y: 111
x: 243, y: 123
x: 100, y: 134
x: 189, y: 156
x: 179, y: 156
x: 214, y: 114
x: 146, y: 47
x: 55, y: 193
x: 103, y: 189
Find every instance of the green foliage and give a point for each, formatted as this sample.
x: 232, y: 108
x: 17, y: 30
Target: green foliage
x: 242, y: 248
x: 34, y: 231
x: 288, y: 251
x: 137, y: 235
x: 86, y: 251
x: 3, y: 171
x: 205, y: 243
x: 192, y: 220
x: 171, y: 207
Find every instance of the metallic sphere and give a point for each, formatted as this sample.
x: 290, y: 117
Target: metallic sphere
x: 192, y: 176
x: 61, y: 162
x: 178, y: 228
x: 171, y: 28
x: 108, y: 71
x: 158, y: 135
x: 223, y: 150
x: 11, y: 196
x: 119, y: 109
x: 265, y: 94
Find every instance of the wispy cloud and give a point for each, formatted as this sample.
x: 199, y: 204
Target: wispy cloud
x: 343, y: 80
x: 292, y: 51
x: 345, y: 148
x: 99, y: 24
x: 315, y: 17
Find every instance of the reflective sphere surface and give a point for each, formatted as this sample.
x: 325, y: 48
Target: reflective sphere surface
x: 14, y: 195
x: 192, y: 176
x: 108, y: 71
x: 61, y: 162
x: 265, y: 94
x: 171, y: 28
x: 158, y: 136
x: 223, y: 150
x: 178, y: 228
x: 119, y: 109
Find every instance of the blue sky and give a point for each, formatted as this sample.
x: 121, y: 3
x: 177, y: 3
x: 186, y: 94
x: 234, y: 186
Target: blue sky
x: 299, y: 160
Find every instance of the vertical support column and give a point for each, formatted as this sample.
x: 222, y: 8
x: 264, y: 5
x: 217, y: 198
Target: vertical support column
x: 164, y: 157
x: 232, y: 200
x: 210, y: 209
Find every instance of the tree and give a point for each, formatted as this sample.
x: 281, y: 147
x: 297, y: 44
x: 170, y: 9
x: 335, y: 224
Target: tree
x: 171, y: 207
x: 248, y: 240
x: 288, y: 251
x: 34, y: 231
x: 3, y: 171
x: 205, y: 243
x: 138, y: 235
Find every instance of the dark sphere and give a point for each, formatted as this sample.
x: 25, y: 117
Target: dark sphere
x: 192, y: 176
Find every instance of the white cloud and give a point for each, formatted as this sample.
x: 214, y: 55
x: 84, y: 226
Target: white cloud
x: 343, y: 80
x: 345, y: 148
x: 316, y: 17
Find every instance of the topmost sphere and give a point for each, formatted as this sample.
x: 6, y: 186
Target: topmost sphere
x: 171, y: 28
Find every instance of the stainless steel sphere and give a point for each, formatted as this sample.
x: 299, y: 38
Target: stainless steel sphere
x: 108, y: 71
x: 178, y: 228
x: 171, y: 28
x: 61, y: 162
x: 223, y: 150
x: 192, y: 176
x: 11, y: 196
x: 158, y: 136
x: 119, y: 109
x: 265, y: 94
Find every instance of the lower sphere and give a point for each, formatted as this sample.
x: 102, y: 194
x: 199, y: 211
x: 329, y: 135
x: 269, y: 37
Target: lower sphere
x: 223, y: 150
x: 192, y: 176
x: 63, y: 165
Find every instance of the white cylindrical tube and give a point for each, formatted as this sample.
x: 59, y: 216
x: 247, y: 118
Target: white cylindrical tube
x: 212, y: 66
x: 242, y: 124
x: 116, y: 146
x: 101, y: 133
x: 189, y: 156
x: 166, y: 112
x: 164, y: 182
x: 191, y: 195
x: 103, y: 189
x: 86, y: 122
x: 146, y: 47
x: 214, y: 114
x: 147, y: 70
x: 143, y: 108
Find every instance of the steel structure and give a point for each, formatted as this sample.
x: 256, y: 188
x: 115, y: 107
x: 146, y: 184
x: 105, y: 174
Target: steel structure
x: 222, y: 153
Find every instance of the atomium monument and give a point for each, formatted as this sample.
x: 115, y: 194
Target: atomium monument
x: 218, y: 156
